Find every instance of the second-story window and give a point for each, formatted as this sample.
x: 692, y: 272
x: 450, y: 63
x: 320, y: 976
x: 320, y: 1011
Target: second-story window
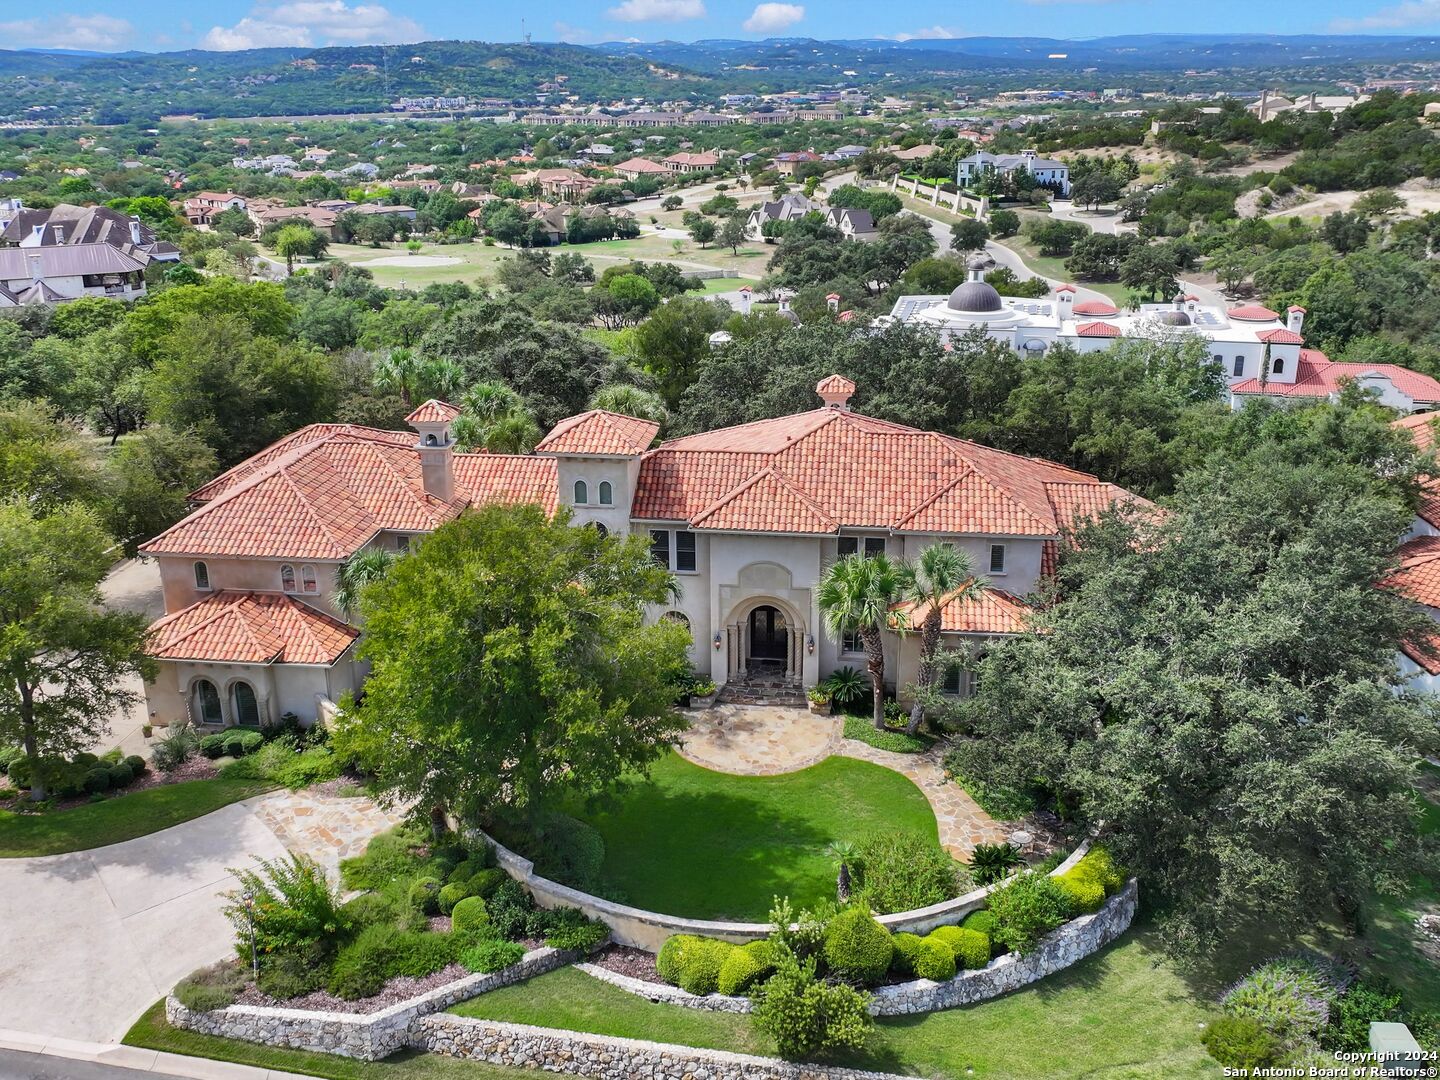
x: 660, y: 546
x: 1279, y: 365
x: 582, y: 493
x: 1239, y: 366
x: 607, y: 497
x: 851, y: 545
x: 997, y: 558
x: 685, y: 551
x: 202, y: 576
x: 287, y: 578
x: 308, y: 581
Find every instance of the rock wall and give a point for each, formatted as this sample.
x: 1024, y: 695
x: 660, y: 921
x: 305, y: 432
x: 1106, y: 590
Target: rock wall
x: 604, y: 1058
x: 665, y: 994
x: 368, y: 1037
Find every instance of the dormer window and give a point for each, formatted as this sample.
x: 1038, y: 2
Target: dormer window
x: 202, y: 576
x: 1279, y: 365
x: 308, y: 582
x: 607, y: 497
x: 287, y: 578
x: 582, y: 493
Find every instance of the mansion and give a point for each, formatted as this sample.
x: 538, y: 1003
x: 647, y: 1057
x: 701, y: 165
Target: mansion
x: 747, y: 518
x: 1261, y: 353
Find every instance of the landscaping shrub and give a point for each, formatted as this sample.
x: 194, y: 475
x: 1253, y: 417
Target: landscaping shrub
x: 667, y: 960
x: 391, y: 906
x: 935, y: 959
x: 470, y: 917
x: 451, y: 895
x: 136, y: 763
x: 1290, y: 997
x: 487, y: 881
x: 1240, y: 1042
x: 990, y: 863
x: 1026, y: 908
x: 282, y: 762
x: 212, y: 987
x: 907, y: 948
x: 490, y: 954
x: 398, y: 852
x: 1097, y: 865
x: 423, y: 953
x: 700, y: 965
x: 805, y: 1016
x: 745, y: 966
x: 1363, y: 1002
x: 510, y: 909
x: 857, y: 948
x: 901, y: 872
x: 178, y: 746
x: 981, y: 920
x: 289, y: 975
x: 1086, y: 895
x: 568, y: 851
x: 970, y: 948
x: 233, y: 744
x: 294, y: 907
x: 465, y: 870
x: 424, y: 895
x: 250, y: 741
x: 360, y: 968
x: 862, y: 729
x: 569, y: 928
x: 213, y: 746
x: 97, y: 780
x: 86, y: 760
x: 21, y: 771
x: 9, y: 755
x: 1001, y: 803
x: 121, y: 775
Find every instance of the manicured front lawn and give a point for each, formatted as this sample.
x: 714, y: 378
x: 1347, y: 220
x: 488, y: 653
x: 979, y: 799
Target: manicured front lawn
x: 705, y: 844
x: 1054, y: 267
x: 123, y: 817
x: 152, y: 1033
x: 1121, y: 1013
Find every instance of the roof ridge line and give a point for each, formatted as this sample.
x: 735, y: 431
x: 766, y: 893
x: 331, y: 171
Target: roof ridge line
x: 284, y: 473
x: 930, y: 499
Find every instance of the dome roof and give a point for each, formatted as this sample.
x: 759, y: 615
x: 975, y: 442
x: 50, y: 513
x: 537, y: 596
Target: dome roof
x: 788, y: 316
x: 1174, y: 318
x: 976, y: 296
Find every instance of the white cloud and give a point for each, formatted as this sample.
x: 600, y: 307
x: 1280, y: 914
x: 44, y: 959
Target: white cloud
x: 574, y: 35
x: 99, y: 33
x: 768, y: 18
x: 928, y: 33
x: 658, y: 10
x: 1408, y: 14
x: 306, y: 23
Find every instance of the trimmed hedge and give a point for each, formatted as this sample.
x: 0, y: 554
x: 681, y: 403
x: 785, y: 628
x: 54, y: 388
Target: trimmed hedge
x: 935, y: 960
x: 970, y: 948
x: 746, y: 966
x: 857, y: 948
x: 1086, y: 894
x: 424, y: 895
x: 982, y: 920
x: 489, y: 955
x: 487, y: 881
x: 692, y: 963
x: 451, y: 895
x: 470, y: 917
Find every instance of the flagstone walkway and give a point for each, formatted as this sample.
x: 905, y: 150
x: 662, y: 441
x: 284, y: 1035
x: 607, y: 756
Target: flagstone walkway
x: 327, y: 827
x: 765, y: 740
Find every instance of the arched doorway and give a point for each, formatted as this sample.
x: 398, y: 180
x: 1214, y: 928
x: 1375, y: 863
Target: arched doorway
x: 207, y: 703
x: 769, y: 638
x: 247, y: 709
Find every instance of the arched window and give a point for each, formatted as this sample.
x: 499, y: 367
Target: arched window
x: 1279, y: 365
x: 247, y: 709
x: 207, y: 703
x: 600, y: 530
x: 202, y: 576
x: 308, y: 581
x: 287, y: 578
x: 606, y: 494
x: 430, y: 440
x: 677, y: 617
x: 582, y: 493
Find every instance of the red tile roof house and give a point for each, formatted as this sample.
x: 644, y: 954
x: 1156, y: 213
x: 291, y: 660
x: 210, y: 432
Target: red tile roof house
x: 1418, y: 575
x: 747, y: 517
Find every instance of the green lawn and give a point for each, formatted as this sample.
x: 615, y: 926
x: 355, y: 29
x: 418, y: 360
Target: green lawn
x: 121, y: 818
x: 704, y: 844
x: 1121, y: 1013
x: 152, y: 1033
x: 1048, y: 266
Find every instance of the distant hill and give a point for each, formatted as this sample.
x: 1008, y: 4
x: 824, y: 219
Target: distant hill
x: 142, y: 87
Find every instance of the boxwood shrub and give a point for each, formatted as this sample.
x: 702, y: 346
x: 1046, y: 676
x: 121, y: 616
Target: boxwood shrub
x: 213, y: 746
x: 424, y: 895
x: 1086, y: 894
x: 745, y: 966
x: 97, y: 780
x: 137, y: 764
x: 857, y: 948
x: 451, y: 895
x: 120, y: 775
x: 692, y: 963
x: 970, y: 948
x: 470, y: 917
x: 489, y: 954
x: 487, y: 881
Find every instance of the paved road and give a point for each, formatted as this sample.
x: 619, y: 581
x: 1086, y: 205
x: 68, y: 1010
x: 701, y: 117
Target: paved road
x: 15, y: 1065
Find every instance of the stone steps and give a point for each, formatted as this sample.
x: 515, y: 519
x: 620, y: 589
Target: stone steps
x: 745, y: 694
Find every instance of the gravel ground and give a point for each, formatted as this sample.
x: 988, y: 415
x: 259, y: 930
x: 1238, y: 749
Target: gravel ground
x: 623, y: 960
x: 396, y: 990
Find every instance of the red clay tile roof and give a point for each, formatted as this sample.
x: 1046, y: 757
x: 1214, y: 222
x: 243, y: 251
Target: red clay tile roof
x: 1418, y: 577
x: 1095, y: 307
x: 1317, y: 376
x: 433, y: 412
x: 994, y: 611
x: 313, y: 433
x: 512, y: 478
x: 1097, y: 329
x: 1252, y: 313
x: 322, y: 499
x: 1421, y: 426
x: 1281, y: 337
x: 599, y: 432
x: 250, y: 628
x: 835, y: 384
x: 830, y: 468
x: 1065, y: 288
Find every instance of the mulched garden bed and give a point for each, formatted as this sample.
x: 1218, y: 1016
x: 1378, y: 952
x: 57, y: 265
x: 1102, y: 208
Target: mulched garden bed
x: 197, y: 768
x: 623, y: 960
x: 401, y: 988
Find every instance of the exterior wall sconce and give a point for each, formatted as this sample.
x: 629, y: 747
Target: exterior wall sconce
x: 809, y: 643
x: 717, y: 640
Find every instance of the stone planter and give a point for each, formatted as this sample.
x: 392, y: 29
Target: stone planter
x: 821, y: 708
x: 703, y: 701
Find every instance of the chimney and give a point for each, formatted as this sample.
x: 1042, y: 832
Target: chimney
x: 134, y: 229
x: 1191, y: 304
x: 832, y: 301
x: 1295, y: 318
x: 745, y: 300
x: 435, y: 447
x: 36, y: 273
x: 835, y: 391
x: 1065, y: 301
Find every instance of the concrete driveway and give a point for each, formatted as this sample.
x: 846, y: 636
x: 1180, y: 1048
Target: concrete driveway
x: 132, y: 585
x: 95, y: 937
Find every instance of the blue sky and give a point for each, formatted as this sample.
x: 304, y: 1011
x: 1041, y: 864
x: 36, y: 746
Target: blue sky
x: 114, y: 25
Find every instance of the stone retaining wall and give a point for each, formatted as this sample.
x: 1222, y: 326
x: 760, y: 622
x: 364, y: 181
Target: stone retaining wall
x: 1074, y: 941
x: 368, y: 1037
x: 648, y: 930
x: 605, y: 1058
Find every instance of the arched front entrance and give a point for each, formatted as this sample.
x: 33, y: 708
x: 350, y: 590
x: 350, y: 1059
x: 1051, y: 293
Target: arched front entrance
x: 765, y: 643
x: 769, y: 636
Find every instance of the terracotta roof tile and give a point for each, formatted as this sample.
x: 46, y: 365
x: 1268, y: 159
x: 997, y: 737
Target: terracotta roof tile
x: 433, y: 412
x: 1097, y: 329
x: 250, y: 628
x: 313, y: 433
x: 766, y: 502
x: 599, y: 432
x: 1317, y: 376
x: 994, y: 611
x: 1095, y: 307
x: 513, y: 478
x: 1281, y: 337
x: 835, y: 384
x: 1252, y: 313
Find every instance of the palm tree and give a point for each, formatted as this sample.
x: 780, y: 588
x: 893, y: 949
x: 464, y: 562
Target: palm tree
x: 494, y: 417
x: 361, y: 569
x: 398, y: 371
x: 856, y: 595
x: 630, y: 401
x: 941, y: 572
x: 843, y: 854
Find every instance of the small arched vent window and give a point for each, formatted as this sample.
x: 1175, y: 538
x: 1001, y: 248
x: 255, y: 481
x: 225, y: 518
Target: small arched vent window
x: 607, y: 495
x: 582, y: 493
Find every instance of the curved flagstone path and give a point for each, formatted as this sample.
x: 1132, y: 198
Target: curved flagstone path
x: 325, y: 826
x: 765, y: 740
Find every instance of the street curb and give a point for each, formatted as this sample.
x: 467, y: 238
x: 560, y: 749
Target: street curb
x: 137, y: 1058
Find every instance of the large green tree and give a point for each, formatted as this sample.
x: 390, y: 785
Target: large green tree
x: 1216, y: 688
x: 66, y: 662
x: 513, y: 663
x: 147, y: 480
